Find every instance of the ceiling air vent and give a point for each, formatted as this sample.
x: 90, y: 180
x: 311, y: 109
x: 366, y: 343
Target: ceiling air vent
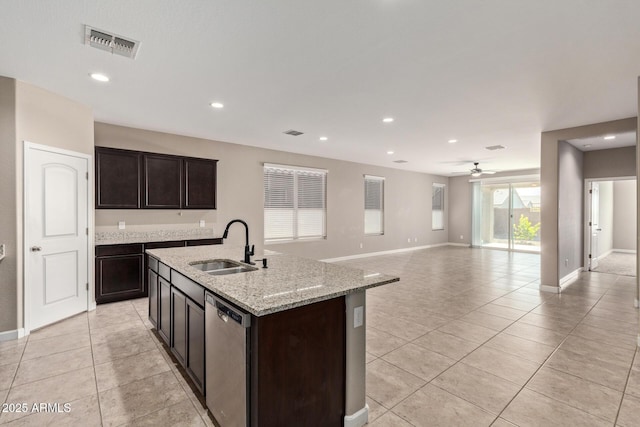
x: 293, y: 132
x: 495, y: 147
x: 110, y: 42
x: 400, y: 161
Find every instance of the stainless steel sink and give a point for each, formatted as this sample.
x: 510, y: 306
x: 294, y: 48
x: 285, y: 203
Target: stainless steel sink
x: 219, y: 267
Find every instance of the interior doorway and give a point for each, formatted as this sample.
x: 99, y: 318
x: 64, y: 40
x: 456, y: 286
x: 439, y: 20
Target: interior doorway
x: 610, y: 226
x: 506, y: 214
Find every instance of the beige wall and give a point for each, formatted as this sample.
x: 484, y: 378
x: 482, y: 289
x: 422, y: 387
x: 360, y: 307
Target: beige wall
x: 41, y: 117
x: 624, y: 215
x: 611, y: 163
x: 240, y: 195
x: 8, y: 227
x: 552, y: 234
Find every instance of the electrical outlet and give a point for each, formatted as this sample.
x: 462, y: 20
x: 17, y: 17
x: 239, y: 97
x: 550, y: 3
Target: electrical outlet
x: 409, y: 240
x: 121, y: 225
x: 358, y: 316
x: 566, y: 262
x: 461, y: 237
x: 415, y: 240
x: 360, y: 245
x: 202, y: 223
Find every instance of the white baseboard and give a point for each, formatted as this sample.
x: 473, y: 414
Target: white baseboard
x: 358, y: 419
x: 392, y: 251
x: 466, y: 245
x: 570, y: 277
x: 609, y: 252
x: 552, y: 289
x: 624, y: 251
x: 11, y: 335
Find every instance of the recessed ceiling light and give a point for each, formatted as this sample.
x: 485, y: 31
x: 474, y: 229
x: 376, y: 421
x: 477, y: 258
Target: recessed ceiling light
x: 452, y: 141
x: 217, y: 104
x: 387, y: 119
x: 390, y: 152
x: 99, y: 77
x: 323, y: 138
x: 610, y: 137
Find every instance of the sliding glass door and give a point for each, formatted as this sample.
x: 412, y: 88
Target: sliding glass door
x: 506, y: 215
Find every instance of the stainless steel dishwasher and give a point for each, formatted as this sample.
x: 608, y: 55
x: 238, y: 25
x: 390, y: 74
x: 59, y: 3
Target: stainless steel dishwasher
x: 227, y: 379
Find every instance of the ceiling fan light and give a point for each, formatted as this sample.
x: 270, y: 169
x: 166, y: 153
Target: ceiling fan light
x: 476, y: 174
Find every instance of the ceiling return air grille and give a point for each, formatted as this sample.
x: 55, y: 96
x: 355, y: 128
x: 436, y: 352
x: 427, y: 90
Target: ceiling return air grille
x: 110, y: 42
x: 293, y: 132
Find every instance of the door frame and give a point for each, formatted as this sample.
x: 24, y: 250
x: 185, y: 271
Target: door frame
x: 587, y: 214
x: 26, y: 296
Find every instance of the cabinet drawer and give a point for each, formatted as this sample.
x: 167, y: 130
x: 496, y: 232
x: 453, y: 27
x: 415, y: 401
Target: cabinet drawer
x: 153, y: 263
x: 188, y: 287
x: 108, y: 250
x: 160, y: 245
x: 164, y: 271
x: 200, y: 242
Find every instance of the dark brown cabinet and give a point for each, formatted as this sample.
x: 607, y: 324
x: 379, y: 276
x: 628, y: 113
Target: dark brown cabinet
x: 128, y: 179
x: 200, y: 184
x: 164, y: 310
x: 179, y: 329
x: 118, y: 175
x: 195, y: 344
x: 119, y: 272
x: 162, y: 182
x: 153, y: 297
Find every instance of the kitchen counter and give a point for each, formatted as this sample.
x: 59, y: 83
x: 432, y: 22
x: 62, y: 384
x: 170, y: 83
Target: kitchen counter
x: 125, y: 237
x: 288, y: 282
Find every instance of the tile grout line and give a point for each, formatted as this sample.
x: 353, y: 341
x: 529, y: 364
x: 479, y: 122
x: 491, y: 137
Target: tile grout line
x: 95, y: 374
x: 547, y: 359
x: 624, y: 393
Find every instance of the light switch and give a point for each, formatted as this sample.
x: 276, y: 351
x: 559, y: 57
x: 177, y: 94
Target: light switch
x: 202, y: 223
x: 121, y: 225
x: 358, y: 316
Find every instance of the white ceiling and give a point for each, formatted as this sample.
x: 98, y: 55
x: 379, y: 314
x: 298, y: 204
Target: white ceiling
x: 484, y: 73
x: 623, y: 139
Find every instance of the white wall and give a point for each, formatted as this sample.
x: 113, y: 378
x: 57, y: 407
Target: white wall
x: 624, y: 215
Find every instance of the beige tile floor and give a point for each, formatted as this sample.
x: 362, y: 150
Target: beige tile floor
x: 465, y: 338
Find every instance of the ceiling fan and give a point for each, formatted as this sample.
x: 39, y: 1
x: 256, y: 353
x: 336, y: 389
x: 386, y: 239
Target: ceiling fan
x: 476, y: 171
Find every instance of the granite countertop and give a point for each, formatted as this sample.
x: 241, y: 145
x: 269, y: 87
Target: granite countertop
x: 124, y: 237
x: 289, y: 281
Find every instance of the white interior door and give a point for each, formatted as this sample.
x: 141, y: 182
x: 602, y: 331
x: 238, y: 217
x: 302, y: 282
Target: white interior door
x: 594, y: 227
x: 56, y: 234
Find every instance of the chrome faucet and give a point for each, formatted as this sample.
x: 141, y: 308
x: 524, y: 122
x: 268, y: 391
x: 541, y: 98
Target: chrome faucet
x: 247, y: 251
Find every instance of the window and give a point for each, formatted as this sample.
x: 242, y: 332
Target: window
x: 373, y: 205
x: 437, y: 207
x: 294, y: 203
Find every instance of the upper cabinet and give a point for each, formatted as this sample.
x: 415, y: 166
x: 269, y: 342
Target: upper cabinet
x: 118, y: 174
x: 128, y: 179
x: 198, y: 173
x: 163, y: 183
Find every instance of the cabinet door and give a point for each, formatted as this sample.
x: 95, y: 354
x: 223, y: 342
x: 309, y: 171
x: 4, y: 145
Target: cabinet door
x: 195, y: 346
x: 200, y: 183
x: 153, y: 297
x: 162, y: 182
x: 119, y: 277
x: 179, y: 327
x: 164, y: 306
x: 117, y: 179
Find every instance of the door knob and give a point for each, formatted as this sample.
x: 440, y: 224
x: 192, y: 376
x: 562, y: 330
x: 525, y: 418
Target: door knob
x: 36, y: 248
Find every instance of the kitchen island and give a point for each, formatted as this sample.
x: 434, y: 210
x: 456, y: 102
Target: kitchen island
x: 305, y: 357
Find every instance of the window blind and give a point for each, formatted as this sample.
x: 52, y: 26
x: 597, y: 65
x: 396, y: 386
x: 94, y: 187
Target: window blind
x: 294, y: 203
x: 437, y: 207
x: 373, y: 205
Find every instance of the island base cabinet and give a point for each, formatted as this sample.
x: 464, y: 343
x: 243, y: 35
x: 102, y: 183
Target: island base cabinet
x: 298, y: 366
x: 188, y: 336
x: 164, y: 310
x: 153, y: 297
